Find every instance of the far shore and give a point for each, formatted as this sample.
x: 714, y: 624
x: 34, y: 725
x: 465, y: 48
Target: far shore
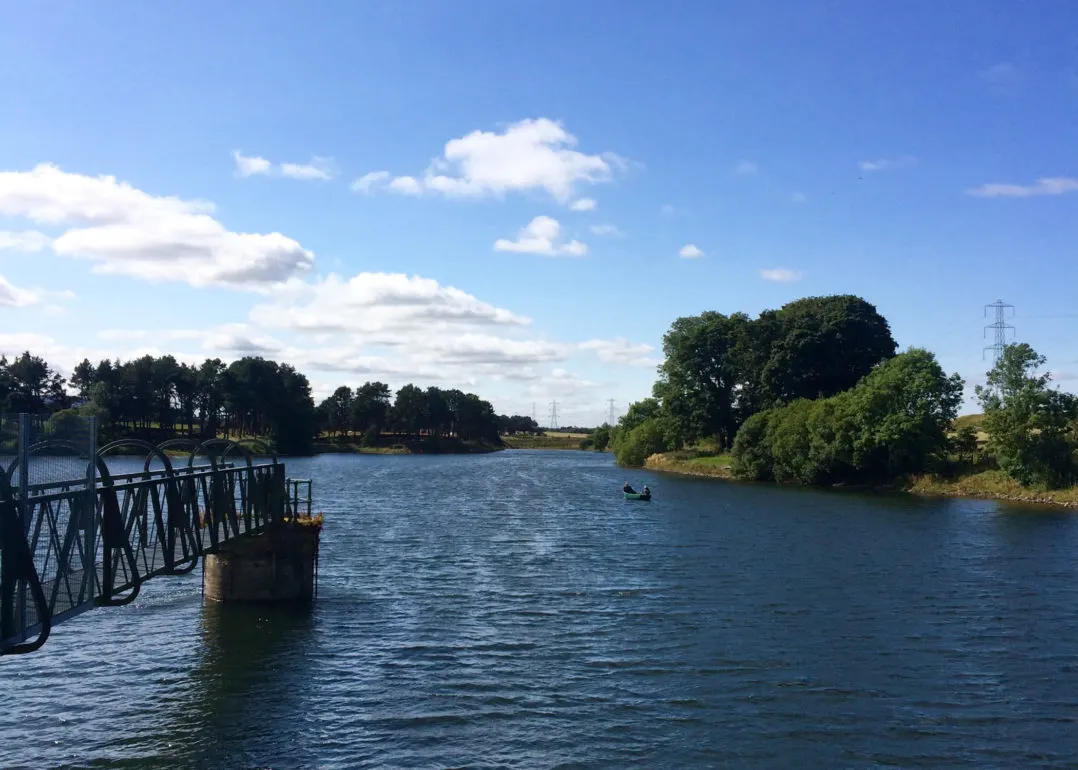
x: 985, y: 485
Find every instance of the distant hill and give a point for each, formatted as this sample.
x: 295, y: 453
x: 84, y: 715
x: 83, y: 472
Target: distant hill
x: 969, y: 419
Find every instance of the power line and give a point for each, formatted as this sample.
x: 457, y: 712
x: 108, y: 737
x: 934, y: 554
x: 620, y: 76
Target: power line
x: 553, y: 415
x: 999, y: 328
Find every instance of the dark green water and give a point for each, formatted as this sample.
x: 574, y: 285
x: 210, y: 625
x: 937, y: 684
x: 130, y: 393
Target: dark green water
x: 512, y: 610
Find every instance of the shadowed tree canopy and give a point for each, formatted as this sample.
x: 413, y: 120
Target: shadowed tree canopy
x: 721, y: 369
x: 822, y: 346
x: 893, y: 422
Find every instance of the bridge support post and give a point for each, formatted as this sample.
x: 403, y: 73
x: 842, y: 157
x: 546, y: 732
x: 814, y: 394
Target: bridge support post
x: 279, y: 565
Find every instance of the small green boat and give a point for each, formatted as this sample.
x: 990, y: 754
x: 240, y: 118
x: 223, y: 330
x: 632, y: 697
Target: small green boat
x: 637, y: 495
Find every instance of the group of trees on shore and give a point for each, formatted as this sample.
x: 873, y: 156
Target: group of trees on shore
x: 816, y: 393
x: 156, y: 398
x: 371, y: 410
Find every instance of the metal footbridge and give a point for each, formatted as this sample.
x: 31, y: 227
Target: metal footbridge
x: 125, y: 513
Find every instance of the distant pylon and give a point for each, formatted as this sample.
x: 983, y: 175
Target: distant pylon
x: 553, y: 415
x: 999, y: 328
x: 610, y: 412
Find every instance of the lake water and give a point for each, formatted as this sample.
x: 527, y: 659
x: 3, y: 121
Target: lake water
x: 512, y: 610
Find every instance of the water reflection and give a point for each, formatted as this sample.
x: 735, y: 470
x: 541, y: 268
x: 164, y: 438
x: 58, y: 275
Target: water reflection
x: 247, y: 690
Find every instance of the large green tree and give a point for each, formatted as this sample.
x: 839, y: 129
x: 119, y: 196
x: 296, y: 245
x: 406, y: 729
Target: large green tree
x: 821, y: 346
x: 29, y: 384
x: 700, y: 374
x: 1029, y: 424
x: 892, y: 423
x: 720, y: 369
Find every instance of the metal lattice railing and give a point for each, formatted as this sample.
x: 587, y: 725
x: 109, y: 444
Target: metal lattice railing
x: 74, y: 535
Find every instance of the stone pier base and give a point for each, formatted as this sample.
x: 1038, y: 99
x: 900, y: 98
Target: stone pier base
x: 278, y: 565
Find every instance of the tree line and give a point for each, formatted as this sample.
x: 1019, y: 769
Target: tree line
x: 156, y: 398
x: 370, y: 410
x: 816, y: 393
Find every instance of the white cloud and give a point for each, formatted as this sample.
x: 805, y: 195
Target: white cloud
x: 690, y: 251
x: 63, y: 357
x: 883, y: 164
x: 130, y: 232
x: 489, y: 349
x: 1043, y: 186
x: 583, y: 204
x: 621, y: 351
x: 406, y: 185
x: 385, y: 306
x: 529, y: 155
x: 745, y: 168
x: 798, y: 197
x: 605, y: 230
x: 542, y: 236
x: 366, y: 182
x: 780, y: 275
x: 13, y: 296
x: 318, y: 168
x: 249, y: 166
x: 28, y: 240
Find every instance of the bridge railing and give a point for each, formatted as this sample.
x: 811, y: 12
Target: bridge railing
x: 67, y: 545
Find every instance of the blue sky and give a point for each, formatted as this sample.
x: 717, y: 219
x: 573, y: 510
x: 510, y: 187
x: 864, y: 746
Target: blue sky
x: 921, y: 155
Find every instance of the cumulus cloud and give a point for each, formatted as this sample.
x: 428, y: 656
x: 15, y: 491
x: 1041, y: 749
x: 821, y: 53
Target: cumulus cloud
x: 64, y: 357
x: 490, y: 349
x: 605, y: 230
x: 690, y: 251
x: 529, y: 155
x: 250, y: 166
x: 583, y: 204
x: 1043, y: 186
x: 406, y: 185
x: 13, y: 296
x: 28, y: 240
x: 130, y: 232
x: 406, y: 328
x: 381, y: 305
x: 780, y: 274
x: 542, y: 236
x: 620, y: 351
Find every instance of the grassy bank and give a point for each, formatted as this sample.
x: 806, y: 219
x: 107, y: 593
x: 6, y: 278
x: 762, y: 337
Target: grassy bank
x: 691, y: 463
x: 989, y: 485
x: 983, y: 485
x: 550, y: 440
x: 401, y: 445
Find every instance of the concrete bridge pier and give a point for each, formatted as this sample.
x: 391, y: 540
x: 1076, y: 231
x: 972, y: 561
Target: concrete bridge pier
x: 278, y: 565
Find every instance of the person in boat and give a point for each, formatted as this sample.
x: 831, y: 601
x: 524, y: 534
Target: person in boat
x: 646, y: 492
x: 627, y: 489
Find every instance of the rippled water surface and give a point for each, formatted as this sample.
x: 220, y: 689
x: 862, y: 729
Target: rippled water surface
x: 512, y: 610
